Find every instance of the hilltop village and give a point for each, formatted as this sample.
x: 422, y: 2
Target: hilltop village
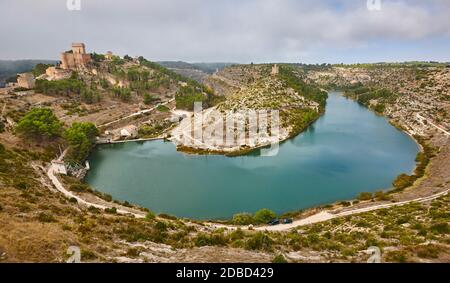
x: 53, y: 116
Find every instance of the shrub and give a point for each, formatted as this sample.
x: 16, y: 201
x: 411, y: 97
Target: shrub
x: 46, y: 218
x: 167, y: 216
x: 163, y: 108
x: 93, y: 209
x: 79, y: 188
x: 279, y: 259
x: 264, y: 215
x: 81, y: 137
x: 39, y: 123
x: 381, y: 196
x: 150, y: 216
x: 403, y: 181
x: 243, y: 219
x: 111, y: 210
x: 161, y: 226
x: 73, y: 200
x: 365, y: 196
x: 1, y: 207
x: 238, y: 234
x: 215, y: 239
x: 397, y: 256
x: 428, y: 251
x: 440, y: 228
x: 259, y: 241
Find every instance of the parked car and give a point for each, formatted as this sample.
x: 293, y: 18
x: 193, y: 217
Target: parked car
x: 273, y: 222
x: 287, y: 221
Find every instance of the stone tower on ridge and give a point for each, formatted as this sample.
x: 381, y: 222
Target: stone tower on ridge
x: 275, y: 70
x: 76, y: 58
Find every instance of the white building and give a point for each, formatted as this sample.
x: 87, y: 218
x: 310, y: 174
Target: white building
x: 130, y: 131
x: 59, y: 167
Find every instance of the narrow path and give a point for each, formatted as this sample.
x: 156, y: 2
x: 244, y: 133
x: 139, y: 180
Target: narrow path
x: 136, y: 114
x: 68, y: 194
x: 434, y: 125
x: 328, y: 215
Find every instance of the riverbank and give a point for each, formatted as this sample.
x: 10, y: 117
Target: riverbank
x: 356, y: 208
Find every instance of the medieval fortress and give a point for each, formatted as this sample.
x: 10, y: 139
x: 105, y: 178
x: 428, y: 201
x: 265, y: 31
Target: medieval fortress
x: 74, y: 59
x: 77, y: 58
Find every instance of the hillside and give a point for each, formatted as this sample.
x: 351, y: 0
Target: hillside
x: 40, y: 222
x: 9, y: 68
x: 402, y: 92
x: 252, y: 88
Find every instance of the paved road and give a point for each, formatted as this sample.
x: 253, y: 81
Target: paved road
x: 325, y: 215
x: 328, y: 215
x: 68, y: 194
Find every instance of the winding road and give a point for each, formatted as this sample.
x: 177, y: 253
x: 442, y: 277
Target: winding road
x: 328, y: 215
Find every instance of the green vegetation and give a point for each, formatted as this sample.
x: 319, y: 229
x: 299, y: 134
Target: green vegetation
x: 162, y: 108
x: 186, y: 95
x: 243, y: 219
x: 288, y: 75
x: 365, y: 196
x: 152, y: 131
x: 365, y: 95
x: 39, y: 69
x: 64, y: 87
x: 259, y: 241
x: 264, y: 215
x: 423, y: 159
x: 260, y: 217
x: 39, y: 123
x: 279, y: 259
x: 97, y: 57
x: 123, y: 93
x: 14, y: 169
x: 67, y: 87
x: 81, y: 138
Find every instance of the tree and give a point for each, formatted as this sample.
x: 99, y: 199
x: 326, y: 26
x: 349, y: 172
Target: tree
x: 81, y: 138
x: 259, y: 241
x: 403, y: 181
x: 365, y: 196
x: 148, y: 99
x: 39, y: 123
x: 264, y: 215
x: 243, y: 219
x: 40, y: 69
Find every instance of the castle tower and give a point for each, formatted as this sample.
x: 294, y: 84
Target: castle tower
x: 275, y: 70
x: 76, y: 58
x: 78, y: 48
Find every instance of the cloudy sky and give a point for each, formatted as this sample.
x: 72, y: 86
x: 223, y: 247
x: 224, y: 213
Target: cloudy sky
x: 311, y: 31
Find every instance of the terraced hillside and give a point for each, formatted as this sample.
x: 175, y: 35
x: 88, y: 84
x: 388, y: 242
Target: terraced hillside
x: 253, y: 88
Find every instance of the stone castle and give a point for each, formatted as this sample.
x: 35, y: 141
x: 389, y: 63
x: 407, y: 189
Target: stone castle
x: 275, y: 70
x: 77, y: 58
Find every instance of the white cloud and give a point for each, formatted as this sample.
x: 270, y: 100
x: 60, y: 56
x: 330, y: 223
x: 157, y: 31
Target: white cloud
x: 205, y: 30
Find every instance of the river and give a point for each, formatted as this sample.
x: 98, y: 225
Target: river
x: 347, y: 151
